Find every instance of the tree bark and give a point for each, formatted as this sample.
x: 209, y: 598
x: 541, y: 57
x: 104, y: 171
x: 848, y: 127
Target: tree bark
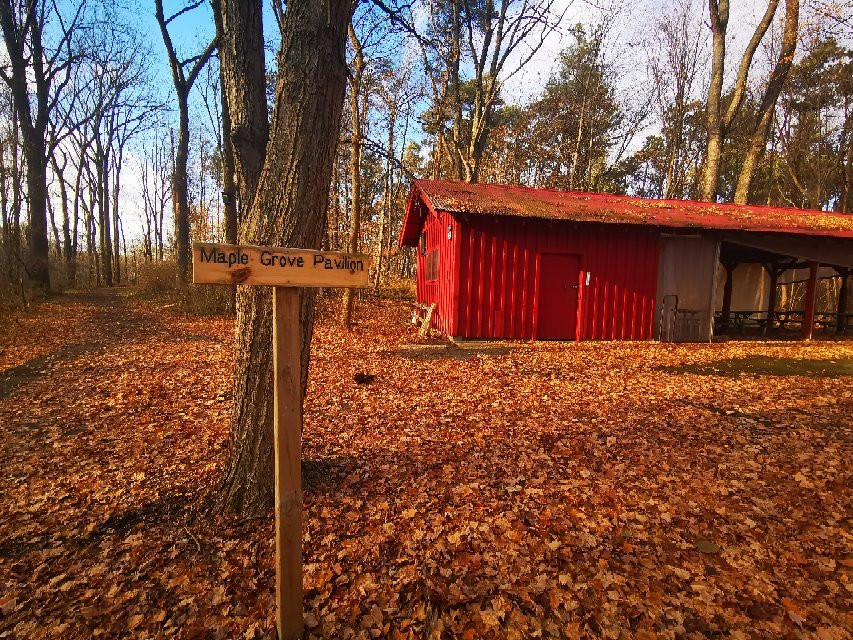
x: 843, y: 205
x: 32, y: 125
x: 37, y: 194
x: 4, y: 206
x: 114, y: 192
x: 180, y: 193
x: 52, y: 217
x: 102, y: 173
x: 289, y: 209
x: 241, y: 51
x: 229, y: 188
x: 72, y: 262
x: 387, y: 188
x: 67, y: 246
x: 17, y: 195
x: 355, y: 169
x: 183, y: 84
x: 768, y: 103
x: 719, y: 24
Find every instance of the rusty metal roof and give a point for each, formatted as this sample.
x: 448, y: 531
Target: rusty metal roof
x: 501, y: 200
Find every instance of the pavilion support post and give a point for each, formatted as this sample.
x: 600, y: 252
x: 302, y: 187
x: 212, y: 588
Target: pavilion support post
x: 841, y: 320
x: 287, y: 401
x: 774, y: 273
x: 727, y: 295
x: 809, y: 308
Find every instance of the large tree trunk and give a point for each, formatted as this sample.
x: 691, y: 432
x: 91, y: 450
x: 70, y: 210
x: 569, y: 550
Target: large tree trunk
x: 845, y: 161
x: 355, y: 169
x: 37, y: 195
x: 229, y: 190
x: 102, y: 170
x: 289, y: 209
x: 32, y: 126
x: 719, y: 123
x: 241, y: 51
x: 768, y: 103
x: 180, y: 195
x: 719, y: 24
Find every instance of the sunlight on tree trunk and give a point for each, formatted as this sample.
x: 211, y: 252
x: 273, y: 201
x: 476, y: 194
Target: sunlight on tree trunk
x: 355, y: 169
x: 764, y: 116
x: 289, y: 209
x: 719, y: 123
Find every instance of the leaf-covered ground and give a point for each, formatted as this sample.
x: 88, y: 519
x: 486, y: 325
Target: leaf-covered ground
x: 632, y: 490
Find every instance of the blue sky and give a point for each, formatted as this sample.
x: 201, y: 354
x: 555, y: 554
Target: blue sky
x: 191, y: 32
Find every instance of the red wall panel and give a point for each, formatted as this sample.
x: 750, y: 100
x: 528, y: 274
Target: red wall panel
x: 443, y: 290
x: 494, y: 261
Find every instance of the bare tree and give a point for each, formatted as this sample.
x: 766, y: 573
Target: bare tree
x: 485, y: 38
x: 763, y: 118
x: 396, y: 97
x: 674, y: 66
x: 118, y: 106
x: 720, y: 120
x: 489, y: 41
x: 183, y: 82
x: 156, y: 193
x: 356, y: 138
x: 40, y: 69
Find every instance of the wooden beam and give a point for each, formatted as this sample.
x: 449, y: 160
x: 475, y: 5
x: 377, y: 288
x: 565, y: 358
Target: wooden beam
x: 825, y: 250
x: 809, y: 308
x: 774, y: 273
x: 727, y: 294
x: 841, y: 321
x: 287, y: 383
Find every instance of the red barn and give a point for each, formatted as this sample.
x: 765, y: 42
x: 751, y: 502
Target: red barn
x: 520, y: 263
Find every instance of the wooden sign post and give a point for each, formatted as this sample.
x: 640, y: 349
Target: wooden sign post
x: 286, y: 270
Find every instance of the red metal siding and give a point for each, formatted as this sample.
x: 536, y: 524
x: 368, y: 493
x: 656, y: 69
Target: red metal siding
x: 498, y: 274
x: 441, y: 290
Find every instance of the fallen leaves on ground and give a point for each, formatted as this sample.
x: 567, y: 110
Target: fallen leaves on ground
x: 513, y: 490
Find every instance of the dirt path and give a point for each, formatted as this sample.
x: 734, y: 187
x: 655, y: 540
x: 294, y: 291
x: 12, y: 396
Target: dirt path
x: 102, y: 316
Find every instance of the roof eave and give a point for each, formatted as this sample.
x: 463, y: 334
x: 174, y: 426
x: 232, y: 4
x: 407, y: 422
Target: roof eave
x: 413, y: 221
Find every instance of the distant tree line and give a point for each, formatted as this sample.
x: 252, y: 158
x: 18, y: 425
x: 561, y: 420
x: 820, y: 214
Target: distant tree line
x: 665, y: 111
x: 76, y: 94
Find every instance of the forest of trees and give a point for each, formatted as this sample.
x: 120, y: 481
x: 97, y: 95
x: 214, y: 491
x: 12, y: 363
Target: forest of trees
x: 118, y: 146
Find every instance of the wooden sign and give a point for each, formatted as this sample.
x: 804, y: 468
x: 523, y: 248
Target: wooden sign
x: 248, y: 264
x: 284, y: 269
